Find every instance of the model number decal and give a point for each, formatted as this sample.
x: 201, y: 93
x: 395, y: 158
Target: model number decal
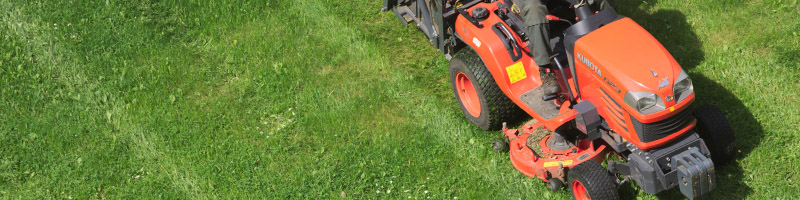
x: 516, y: 72
x: 613, y: 86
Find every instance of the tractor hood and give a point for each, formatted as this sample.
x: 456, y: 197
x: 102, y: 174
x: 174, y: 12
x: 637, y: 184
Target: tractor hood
x: 627, y: 58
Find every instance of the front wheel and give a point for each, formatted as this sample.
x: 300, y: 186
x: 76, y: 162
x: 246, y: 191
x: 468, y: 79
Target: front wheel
x: 476, y: 91
x: 589, y: 180
x: 717, y: 133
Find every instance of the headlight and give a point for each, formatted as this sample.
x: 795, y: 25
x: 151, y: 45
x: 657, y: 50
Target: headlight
x: 644, y: 102
x: 682, y: 87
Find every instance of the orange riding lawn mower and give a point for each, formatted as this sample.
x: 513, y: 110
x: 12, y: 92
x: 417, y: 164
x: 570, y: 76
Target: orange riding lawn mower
x: 623, y: 100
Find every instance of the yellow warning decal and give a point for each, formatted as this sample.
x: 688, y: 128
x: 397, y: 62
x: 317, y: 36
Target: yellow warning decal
x: 516, y: 72
x: 555, y: 163
x: 515, y: 8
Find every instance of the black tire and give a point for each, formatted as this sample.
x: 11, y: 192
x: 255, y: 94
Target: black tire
x: 717, y: 133
x: 597, y: 183
x: 495, y: 107
x: 554, y: 184
x: 500, y: 145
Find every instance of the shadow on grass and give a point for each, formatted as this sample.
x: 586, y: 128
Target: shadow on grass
x: 671, y: 28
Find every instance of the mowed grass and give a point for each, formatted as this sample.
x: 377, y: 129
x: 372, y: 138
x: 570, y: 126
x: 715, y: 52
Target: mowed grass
x: 328, y: 99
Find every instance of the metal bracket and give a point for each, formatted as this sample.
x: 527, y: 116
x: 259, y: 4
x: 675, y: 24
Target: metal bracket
x: 695, y: 172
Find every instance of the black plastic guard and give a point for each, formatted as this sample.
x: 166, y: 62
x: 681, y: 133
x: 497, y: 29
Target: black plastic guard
x: 587, y: 119
x: 586, y: 26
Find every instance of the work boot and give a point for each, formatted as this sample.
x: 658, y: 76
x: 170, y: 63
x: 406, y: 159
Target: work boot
x: 549, y: 84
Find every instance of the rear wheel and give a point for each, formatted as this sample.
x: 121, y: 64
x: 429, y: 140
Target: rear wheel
x: 476, y: 91
x: 716, y: 131
x: 589, y: 180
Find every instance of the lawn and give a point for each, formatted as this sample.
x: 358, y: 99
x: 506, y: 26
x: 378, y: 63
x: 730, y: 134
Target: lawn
x: 329, y: 99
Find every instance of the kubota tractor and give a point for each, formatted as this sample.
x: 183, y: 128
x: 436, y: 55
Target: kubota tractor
x: 623, y: 98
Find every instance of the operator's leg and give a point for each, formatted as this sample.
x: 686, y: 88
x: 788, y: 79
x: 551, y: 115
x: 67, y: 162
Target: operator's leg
x: 533, y: 13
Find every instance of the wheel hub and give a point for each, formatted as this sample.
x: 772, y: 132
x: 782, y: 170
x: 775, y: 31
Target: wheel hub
x: 579, y: 192
x: 468, y: 95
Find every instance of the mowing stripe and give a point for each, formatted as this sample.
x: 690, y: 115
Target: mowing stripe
x: 51, y: 55
x: 461, y: 139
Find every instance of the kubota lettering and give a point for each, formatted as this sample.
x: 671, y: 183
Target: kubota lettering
x: 589, y: 64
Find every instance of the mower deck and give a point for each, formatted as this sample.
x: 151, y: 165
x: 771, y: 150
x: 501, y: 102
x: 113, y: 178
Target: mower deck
x: 531, y: 154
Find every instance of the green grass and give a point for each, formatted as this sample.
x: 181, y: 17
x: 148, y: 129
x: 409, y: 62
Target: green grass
x: 328, y: 99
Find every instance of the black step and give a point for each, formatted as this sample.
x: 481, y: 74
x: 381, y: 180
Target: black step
x: 533, y: 98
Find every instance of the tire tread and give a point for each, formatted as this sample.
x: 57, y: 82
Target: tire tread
x: 713, y: 127
x: 501, y: 108
x: 596, y: 179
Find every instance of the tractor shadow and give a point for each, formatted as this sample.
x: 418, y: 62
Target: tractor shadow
x: 671, y: 28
